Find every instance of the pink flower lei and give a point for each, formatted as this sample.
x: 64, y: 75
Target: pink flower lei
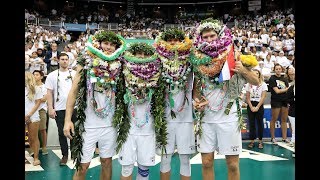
x: 214, y: 48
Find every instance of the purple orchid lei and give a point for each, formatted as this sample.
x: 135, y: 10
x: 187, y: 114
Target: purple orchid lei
x: 144, y: 71
x: 171, y: 54
x: 214, y: 48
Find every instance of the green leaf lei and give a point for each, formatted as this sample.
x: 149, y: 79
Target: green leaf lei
x: 173, y: 33
x: 121, y: 117
x: 141, y: 47
x: 77, y: 142
x: 102, y: 55
x: 131, y: 58
x: 158, y: 111
x: 196, y: 61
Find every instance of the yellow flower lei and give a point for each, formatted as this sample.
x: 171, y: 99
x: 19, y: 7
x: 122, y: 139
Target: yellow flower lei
x: 182, y: 46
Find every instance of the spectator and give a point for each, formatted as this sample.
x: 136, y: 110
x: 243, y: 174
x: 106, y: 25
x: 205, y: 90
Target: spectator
x: 32, y: 103
x: 52, y: 58
x: 255, y: 97
x: 279, y: 86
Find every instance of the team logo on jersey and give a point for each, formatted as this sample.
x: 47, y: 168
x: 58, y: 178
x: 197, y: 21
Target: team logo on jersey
x: 234, y: 148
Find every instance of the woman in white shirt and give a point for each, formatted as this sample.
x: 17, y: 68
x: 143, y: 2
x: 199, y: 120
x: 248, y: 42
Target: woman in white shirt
x: 255, y: 97
x: 32, y: 118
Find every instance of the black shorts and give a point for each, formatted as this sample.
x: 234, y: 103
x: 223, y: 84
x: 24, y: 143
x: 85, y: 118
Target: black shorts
x: 278, y: 104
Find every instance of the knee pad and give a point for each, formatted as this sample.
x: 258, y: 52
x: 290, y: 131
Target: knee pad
x: 185, y: 167
x: 143, y: 172
x: 127, y: 170
x: 165, y: 165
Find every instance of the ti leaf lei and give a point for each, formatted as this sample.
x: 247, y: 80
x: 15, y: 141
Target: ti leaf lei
x: 77, y: 142
x: 121, y: 117
x: 158, y: 111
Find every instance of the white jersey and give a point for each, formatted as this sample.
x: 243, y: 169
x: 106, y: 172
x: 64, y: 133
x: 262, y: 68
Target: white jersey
x: 141, y: 119
x: 64, y: 84
x: 105, y: 103
x: 182, y: 107
x: 218, y: 100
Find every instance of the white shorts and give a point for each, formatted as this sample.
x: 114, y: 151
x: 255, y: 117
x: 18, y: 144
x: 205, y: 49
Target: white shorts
x: 138, y: 148
x: 182, y: 135
x: 106, y: 138
x: 225, y: 138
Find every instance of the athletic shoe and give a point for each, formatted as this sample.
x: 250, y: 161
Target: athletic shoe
x: 274, y: 141
x: 63, y: 161
x: 285, y: 141
x: 45, y: 152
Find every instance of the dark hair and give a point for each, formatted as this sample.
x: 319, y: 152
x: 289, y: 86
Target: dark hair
x: 40, y: 72
x: 277, y: 64
x: 63, y: 54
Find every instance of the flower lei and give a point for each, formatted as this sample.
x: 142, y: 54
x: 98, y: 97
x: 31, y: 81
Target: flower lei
x: 142, y: 79
x: 175, y: 68
x: 102, y: 71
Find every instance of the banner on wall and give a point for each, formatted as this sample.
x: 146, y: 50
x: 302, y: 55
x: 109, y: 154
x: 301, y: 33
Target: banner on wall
x: 266, y: 124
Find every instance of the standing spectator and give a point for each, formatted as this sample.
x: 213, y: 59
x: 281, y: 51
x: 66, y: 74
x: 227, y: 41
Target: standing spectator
x: 42, y: 110
x: 279, y: 86
x: 255, y: 97
x: 52, y: 58
x: 58, y: 84
x: 291, y: 116
x: 32, y: 103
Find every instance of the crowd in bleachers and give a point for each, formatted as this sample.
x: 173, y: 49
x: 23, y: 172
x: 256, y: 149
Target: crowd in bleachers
x: 270, y: 37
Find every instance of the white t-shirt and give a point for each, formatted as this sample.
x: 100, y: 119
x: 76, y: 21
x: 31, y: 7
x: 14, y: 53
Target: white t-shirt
x: 104, y: 100
x: 265, y: 38
x: 290, y: 26
x: 65, y: 83
x: 185, y: 115
x: 29, y: 104
x: 43, y: 89
x: 283, y: 61
x: 256, y: 91
x: 263, y: 54
x: 268, y: 64
x: 288, y: 43
x: 142, y: 122
x: 54, y: 54
x: 35, y: 64
x: 218, y: 100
